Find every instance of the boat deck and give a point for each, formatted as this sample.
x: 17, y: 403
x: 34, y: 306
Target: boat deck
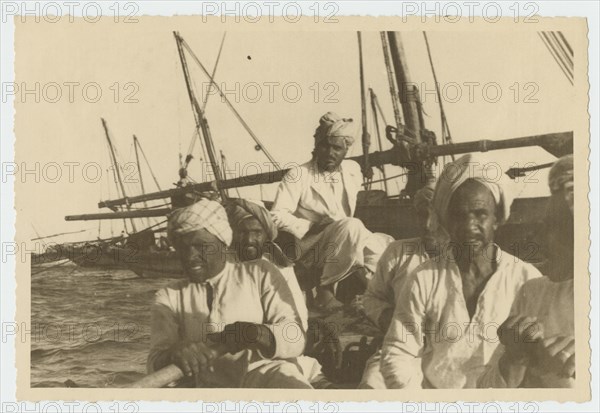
x: 359, y: 339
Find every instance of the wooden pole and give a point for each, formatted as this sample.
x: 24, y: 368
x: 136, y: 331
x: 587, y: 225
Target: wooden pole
x: 139, y: 169
x: 376, y: 124
x: 117, y: 170
x: 558, y: 144
x: 391, y: 81
x: 160, y: 378
x: 418, y: 172
x: 201, y: 122
x: 142, y: 213
x: 366, y: 139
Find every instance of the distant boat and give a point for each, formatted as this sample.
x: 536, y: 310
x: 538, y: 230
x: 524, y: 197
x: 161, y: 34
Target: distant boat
x: 415, y: 149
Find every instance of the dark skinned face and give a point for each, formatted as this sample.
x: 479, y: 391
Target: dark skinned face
x: 472, y: 216
x: 559, y: 238
x: 330, y: 153
x: 249, y: 238
x: 202, y: 255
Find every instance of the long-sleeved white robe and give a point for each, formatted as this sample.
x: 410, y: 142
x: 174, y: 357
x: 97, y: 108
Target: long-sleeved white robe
x: 398, y: 260
x: 307, y: 197
x: 254, y: 292
x: 431, y: 322
x: 552, y: 303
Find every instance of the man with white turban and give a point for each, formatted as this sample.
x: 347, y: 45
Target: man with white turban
x: 231, y: 324
x: 447, y: 313
x: 537, y: 340
x: 315, y: 203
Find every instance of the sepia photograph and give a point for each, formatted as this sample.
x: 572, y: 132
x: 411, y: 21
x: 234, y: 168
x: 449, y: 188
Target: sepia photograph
x: 370, y: 209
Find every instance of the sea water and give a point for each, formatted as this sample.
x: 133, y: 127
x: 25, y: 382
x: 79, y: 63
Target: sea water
x: 90, y: 327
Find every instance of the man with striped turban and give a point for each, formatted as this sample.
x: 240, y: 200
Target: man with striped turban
x: 537, y: 341
x: 315, y: 203
x: 253, y: 236
x: 445, y: 309
x: 231, y: 323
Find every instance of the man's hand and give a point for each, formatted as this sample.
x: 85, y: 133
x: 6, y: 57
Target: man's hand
x: 193, y: 359
x: 556, y: 354
x: 519, y: 335
x: 242, y: 335
x: 323, y: 343
x: 318, y: 227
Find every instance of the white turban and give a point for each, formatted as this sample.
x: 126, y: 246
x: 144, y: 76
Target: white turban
x: 204, y: 214
x: 456, y: 173
x: 332, y: 125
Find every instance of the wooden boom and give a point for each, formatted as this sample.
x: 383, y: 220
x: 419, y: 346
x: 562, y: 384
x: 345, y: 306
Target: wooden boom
x: 556, y: 143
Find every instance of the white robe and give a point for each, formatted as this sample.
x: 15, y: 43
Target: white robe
x: 307, y: 197
x: 254, y: 292
x: 552, y: 303
x: 431, y: 322
x: 398, y: 260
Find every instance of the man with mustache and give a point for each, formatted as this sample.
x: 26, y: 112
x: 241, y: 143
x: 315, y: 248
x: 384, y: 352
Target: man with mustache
x: 253, y: 236
x: 315, y: 203
x: 231, y: 323
x: 448, y: 311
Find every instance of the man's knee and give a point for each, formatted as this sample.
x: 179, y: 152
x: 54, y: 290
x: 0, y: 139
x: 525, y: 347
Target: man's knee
x: 350, y: 225
x: 289, y: 375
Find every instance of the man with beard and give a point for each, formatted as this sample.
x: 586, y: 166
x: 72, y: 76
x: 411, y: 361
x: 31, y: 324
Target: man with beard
x: 445, y: 310
x: 231, y: 323
x: 315, y: 203
x: 253, y: 236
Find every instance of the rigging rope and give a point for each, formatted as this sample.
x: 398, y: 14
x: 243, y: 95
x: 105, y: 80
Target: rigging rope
x: 446, y: 137
x: 561, y: 52
x: 235, y: 112
x: 391, y: 81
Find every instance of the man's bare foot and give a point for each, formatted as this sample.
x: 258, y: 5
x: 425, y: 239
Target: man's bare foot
x: 325, y: 300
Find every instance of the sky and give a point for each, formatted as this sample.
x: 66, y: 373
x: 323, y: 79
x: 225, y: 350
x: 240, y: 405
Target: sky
x: 137, y: 69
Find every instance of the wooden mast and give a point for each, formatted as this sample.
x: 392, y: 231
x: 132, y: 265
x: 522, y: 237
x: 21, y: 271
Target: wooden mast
x: 391, y: 81
x: 117, y: 171
x: 139, y: 170
x: 376, y: 125
x: 418, y: 171
x: 366, y: 139
x: 201, y: 122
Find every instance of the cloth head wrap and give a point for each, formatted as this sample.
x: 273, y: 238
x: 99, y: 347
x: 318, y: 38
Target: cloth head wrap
x: 241, y: 209
x: 560, y: 173
x: 455, y: 174
x: 332, y: 125
x: 204, y: 214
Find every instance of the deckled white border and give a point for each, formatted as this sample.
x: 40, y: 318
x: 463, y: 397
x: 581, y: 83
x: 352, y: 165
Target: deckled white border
x: 166, y: 8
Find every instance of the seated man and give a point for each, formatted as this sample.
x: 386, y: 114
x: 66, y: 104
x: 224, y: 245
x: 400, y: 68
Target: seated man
x: 537, y: 345
x: 230, y: 324
x: 445, y: 309
x: 253, y: 235
x: 315, y: 203
x: 399, y: 259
